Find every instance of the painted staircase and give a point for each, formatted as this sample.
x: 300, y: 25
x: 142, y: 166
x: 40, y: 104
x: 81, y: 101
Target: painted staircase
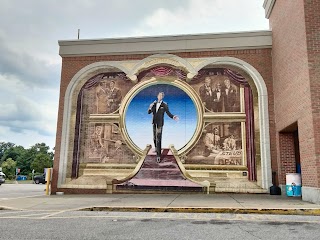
x: 166, y: 177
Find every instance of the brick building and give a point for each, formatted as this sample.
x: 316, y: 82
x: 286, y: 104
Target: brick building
x: 255, y: 98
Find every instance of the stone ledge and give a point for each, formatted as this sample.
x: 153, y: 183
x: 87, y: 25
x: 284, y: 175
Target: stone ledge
x: 166, y: 44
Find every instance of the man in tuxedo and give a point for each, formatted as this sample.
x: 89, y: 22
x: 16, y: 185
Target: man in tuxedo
x: 206, y: 94
x: 158, y: 108
x: 217, y: 98
x: 229, y: 96
x: 115, y: 97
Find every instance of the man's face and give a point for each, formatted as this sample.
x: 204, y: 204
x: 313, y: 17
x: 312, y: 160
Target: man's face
x: 160, y: 96
x: 98, y: 129
x: 216, y: 131
x: 104, y: 84
x: 112, y: 85
x: 227, y: 82
x: 207, y: 82
x: 219, y: 86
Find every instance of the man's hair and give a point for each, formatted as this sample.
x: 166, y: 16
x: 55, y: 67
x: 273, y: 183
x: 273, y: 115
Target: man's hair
x: 112, y: 81
x: 161, y: 93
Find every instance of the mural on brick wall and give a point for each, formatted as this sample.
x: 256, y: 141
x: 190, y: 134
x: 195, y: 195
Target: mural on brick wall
x: 220, y: 144
x: 219, y: 90
x: 172, y: 119
x: 107, y: 96
x: 103, y: 94
x: 102, y: 142
x: 218, y: 93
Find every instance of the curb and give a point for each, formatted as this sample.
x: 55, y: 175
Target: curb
x: 8, y: 208
x: 309, y: 212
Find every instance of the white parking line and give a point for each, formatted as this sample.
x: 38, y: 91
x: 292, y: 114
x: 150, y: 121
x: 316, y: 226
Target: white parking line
x: 4, y: 199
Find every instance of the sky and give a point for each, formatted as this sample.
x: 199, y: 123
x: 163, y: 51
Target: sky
x: 30, y: 65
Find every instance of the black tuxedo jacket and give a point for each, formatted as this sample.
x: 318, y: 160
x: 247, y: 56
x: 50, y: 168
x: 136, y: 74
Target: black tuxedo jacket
x: 158, y: 116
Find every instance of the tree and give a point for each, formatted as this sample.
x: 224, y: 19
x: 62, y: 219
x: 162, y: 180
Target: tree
x: 4, y: 146
x: 25, y: 157
x: 9, y: 168
x: 41, y: 162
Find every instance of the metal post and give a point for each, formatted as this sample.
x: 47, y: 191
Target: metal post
x: 48, y: 179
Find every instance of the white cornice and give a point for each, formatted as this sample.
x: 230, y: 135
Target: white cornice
x: 268, y: 6
x: 166, y: 44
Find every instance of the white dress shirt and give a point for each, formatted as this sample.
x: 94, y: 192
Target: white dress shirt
x: 158, y: 105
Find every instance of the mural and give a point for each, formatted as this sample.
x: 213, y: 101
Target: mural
x: 220, y: 144
x: 218, y: 93
x: 148, y: 121
x: 105, y: 145
x: 163, y: 114
x: 108, y: 97
x: 101, y: 142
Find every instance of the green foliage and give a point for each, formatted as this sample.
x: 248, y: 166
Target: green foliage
x: 25, y: 158
x: 9, y: 168
x: 12, y: 152
x: 41, y: 162
x: 3, y: 147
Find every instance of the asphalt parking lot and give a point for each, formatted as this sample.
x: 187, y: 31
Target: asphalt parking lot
x: 10, y: 191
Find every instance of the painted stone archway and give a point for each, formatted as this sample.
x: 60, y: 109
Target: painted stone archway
x: 82, y: 95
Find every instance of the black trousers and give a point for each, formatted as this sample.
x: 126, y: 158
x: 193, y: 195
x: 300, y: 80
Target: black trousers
x: 157, y: 137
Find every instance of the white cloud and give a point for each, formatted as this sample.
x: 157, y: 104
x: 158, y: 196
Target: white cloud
x: 27, y: 109
x: 205, y: 16
x: 26, y: 138
x: 30, y: 65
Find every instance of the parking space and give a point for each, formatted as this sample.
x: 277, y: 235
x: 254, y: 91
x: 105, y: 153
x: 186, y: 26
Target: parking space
x: 9, y: 191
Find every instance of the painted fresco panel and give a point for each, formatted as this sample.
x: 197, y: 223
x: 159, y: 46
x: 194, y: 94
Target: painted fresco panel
x: 105, y: 96
x: 140, y: 124
x: 218, y: 93
x: 104, y: 144
x: 220, y: 144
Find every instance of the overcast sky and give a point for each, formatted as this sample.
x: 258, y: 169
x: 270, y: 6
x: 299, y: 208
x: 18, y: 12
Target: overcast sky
x: 30, y: 65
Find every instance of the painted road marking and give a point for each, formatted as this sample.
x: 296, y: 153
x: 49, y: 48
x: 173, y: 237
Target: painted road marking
x: 44, y: 215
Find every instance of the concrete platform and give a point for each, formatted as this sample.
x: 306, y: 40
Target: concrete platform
x: 219, y: 203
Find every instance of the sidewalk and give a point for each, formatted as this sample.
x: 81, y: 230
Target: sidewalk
x: 214, y: 203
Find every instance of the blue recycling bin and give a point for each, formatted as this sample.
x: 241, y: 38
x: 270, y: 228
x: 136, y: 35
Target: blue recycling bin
x: 293, y: 184
x: 21, y: 178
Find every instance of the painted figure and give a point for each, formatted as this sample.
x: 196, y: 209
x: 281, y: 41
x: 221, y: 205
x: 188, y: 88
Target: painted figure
x: 229, y: 96
x: 158, y: 108
x: 229, y: 143
x: 217, y: 98
x: 96, y: 141
x: 212, y: 142
x: 206, y: 93
x: 294, y: 189
x: 102, y: 95
x: 115, y: 97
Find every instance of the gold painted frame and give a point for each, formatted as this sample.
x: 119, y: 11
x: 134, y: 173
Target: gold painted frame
x: 162, y: 80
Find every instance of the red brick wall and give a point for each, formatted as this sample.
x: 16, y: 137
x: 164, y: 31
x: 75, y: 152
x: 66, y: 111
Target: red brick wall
x: 287, y: 156
x: 312, y: 10
x: 258, y: 58
x: 291, y: 83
